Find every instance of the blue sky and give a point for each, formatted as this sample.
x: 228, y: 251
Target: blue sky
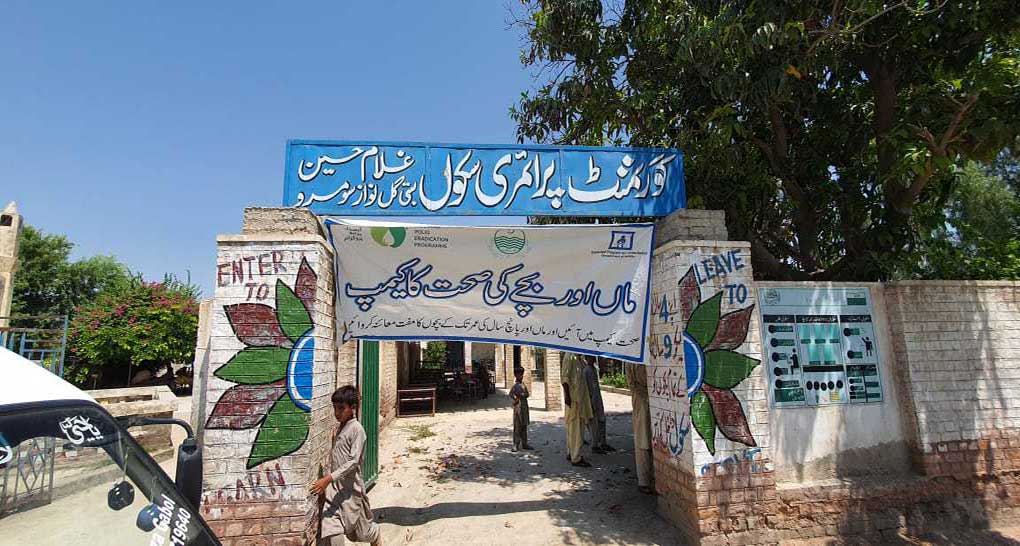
x: 141, y: 130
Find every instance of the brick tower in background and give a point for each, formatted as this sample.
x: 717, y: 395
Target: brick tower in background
x: 10, y: 231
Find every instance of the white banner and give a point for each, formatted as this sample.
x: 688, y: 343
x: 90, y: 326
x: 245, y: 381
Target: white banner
x: 581, y: 288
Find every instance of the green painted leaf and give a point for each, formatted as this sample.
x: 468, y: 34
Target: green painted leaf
x: 726, y: 369
x: 703, y: 419
x: 291, y: 313
x: 283, y: 432
x: 705, y: 320
x: 255, y: 366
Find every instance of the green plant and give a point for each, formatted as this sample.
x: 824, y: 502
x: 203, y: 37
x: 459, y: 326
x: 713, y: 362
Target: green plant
x: 140, y: 324
x: 420, y: 432
x: 435, y: 354
x: 618, y: 380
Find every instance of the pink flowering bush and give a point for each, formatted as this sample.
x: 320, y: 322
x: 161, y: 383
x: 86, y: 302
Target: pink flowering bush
x: 142, y: 325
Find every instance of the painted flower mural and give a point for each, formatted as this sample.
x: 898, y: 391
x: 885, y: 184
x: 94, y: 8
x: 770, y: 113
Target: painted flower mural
x: 273, y: 372
x: 712, y: 365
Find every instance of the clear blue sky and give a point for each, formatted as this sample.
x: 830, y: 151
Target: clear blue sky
x: 142, y: 129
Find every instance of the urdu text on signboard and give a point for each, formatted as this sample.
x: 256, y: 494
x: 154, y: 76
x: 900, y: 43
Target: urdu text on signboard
x: 578, y: 288
x: 386, y: 179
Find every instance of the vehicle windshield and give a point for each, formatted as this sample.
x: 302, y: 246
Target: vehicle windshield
x: 70, y: 475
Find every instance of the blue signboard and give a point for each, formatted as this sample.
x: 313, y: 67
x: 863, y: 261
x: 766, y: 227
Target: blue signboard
x: 407, y: 178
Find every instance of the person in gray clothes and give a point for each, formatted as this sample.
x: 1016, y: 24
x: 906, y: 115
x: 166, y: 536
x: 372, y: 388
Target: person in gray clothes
x: 519, y: 394
x: 597, y: 426
x: 346, y: 511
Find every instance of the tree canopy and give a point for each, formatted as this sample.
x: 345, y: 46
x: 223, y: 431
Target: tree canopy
x: 827, y: 131
x: 976, y: 235
x: 49, y: 283
x: 118, y: 321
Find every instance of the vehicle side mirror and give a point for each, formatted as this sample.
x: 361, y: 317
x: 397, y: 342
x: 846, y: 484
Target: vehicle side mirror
x: 189, y: 456
x: 189, y: 471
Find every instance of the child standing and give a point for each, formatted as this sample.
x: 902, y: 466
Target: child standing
x: 346, y: 511
x: 522, y: 418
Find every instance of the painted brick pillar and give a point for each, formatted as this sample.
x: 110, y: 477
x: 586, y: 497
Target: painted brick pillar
x: 553, y: 392
x: 710, y: 429
x: 500, y: 361
x: 271, y: 370
x: 467, y: 358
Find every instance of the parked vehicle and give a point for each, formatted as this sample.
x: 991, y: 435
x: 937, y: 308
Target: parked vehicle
x: 70, y: 473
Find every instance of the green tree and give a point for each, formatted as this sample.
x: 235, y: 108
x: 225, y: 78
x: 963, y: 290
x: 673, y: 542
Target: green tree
x: 819, y: 127
x: 48, y: 283
x: 138, y: 325
x: 975, y: 235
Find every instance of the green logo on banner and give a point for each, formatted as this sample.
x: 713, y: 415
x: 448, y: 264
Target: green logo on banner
x: 509, y: 241
x: 389, y: 236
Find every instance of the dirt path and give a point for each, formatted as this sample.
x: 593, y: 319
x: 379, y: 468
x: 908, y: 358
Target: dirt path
x: 463, y: 485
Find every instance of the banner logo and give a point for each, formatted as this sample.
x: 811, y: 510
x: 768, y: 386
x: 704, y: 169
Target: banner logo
x: 392, y: 237
x: 622, y: 240
x: 509, y: 241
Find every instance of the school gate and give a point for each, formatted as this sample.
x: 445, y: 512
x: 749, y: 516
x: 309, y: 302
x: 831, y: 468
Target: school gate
x: 830, y: 390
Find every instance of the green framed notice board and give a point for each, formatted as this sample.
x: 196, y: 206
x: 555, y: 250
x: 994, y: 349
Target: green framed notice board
x: 820, y: 346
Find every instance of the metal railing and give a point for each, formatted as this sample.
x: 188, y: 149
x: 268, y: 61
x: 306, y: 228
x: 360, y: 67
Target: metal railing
x: 41, y: 339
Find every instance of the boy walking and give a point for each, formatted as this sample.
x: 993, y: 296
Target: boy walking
x: 346, y: 511
x: 522, y: 417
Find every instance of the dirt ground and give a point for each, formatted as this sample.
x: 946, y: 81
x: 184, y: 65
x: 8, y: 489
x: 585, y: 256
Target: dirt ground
x: 463, y: 485
x: 452, y: 479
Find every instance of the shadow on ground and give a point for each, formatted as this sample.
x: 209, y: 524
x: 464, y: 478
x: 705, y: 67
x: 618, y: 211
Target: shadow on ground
x: 597, y: 505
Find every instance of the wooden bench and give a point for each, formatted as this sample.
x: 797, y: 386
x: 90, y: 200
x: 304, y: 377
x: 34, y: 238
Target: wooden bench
x: 416, y: 394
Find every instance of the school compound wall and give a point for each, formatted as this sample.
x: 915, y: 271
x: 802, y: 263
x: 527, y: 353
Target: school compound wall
x: 940, y: 449
x: 957, y: 345
x: 941, y: 446
x: 843, y: 439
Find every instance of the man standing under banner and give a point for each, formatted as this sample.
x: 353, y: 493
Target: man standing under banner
x: 577, y: 410
x: 597, y: 426
x: 637, y: 381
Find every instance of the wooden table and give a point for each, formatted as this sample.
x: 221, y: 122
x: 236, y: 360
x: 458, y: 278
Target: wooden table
x: 416, y: 394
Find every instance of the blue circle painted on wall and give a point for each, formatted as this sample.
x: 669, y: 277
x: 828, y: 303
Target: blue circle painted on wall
x: 694, y: 364
x: 299, y: 371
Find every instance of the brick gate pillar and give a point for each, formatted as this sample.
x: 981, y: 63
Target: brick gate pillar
x: 553, y: 392
x: 271, y: 370
x: 710, y: 429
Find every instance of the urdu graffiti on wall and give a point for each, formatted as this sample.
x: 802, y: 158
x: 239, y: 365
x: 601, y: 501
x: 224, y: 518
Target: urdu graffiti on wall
x: 712, y: 366
x: 273, y: 372
x: 362, y: 178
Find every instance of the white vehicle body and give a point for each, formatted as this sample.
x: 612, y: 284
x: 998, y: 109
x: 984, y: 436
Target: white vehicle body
x: 60, y: 451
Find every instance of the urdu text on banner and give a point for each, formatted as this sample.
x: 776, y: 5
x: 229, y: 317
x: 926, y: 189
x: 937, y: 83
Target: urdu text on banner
x: 384, y: 178
x: 577, y: 288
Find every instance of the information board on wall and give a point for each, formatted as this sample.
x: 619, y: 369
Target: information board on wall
x: 820, y: 346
